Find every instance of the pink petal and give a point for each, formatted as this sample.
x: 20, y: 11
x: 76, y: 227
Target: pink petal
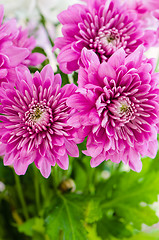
x: 68, y: 89
x: 134, y: 160
x: 21, y: 164
x: 47, y: 72
x: 16, y: 55
x: 88, y: 57
x: 20, y: 167
x: 96, y: 161
x: 57, y: 80
x: 152, y: 149
x: 65, y: 16
x: 117, y: 59
x: 78, y: 102
x: 71, y: 148
x: 36, y: 58
x: 135, y: 57
x: 44, y: 167
x: 2, y: 149
x: 60, y: 150
x: 74, y: 121
x: 63, y: 162
x: 94, y: 150
x: 3, y: 73
x: 106, y: 70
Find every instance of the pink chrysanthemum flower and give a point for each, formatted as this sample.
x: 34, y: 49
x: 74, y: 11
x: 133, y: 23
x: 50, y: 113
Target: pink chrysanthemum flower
x: 10, y: 55
x: 118, y: 104
x: 23, y: 41
x: 148, y: 13
x: 143, y: 6
x: 34, y: 123
x: 15, y: 49
x: 103, y: 26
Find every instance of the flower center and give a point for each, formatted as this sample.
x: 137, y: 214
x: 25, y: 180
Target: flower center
x: 37, y: 113
x: 122, y: 109
x: 39, y: 116
x: 107, y: 42
x: 108, y: 37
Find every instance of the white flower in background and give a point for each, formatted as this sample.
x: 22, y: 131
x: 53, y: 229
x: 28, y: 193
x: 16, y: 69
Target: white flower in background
x: 153, y: 52
x: 19, y: 9
x: 29, y: 9
x: 53, y: 7
x: 43, y: 42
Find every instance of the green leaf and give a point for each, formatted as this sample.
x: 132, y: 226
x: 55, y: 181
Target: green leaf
x: 113, y: 226
x: 128, y: 195
x: 39, y: 50
x: 145, y: 236
x: 93, y: 211
x: 64, y: 219
x: 75, y: 77
x: 137, y: 215
x: 155, y: 163
x: 92, y: 232
x: 26, y: 227
x: 65, y: 79
x: 80, y: 175
x: 6, y: 174
x: 33, y: 227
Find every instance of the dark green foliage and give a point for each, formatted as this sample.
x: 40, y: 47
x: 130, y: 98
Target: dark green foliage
x: 65, y: 218
x: 75, y: 77
x: 39, y: 50
x: 102, y: 207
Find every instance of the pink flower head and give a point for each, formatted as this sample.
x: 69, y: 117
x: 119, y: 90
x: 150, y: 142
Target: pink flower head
x: 118, y: 107
x: 148, y: 13
x: 23, y: 41
x: 101, y: 26
x: 15, y: 49
x: 34, y: 123
x: 143, y: 6
x: 10, y: 55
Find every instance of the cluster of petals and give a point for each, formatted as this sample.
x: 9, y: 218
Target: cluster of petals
x: 148, y: 13
x: 25, y: 42
x: 143, y: 6
x: 34, y: 124
x: 118, y: 107
x: 15, y: 48
x: 99, y: 25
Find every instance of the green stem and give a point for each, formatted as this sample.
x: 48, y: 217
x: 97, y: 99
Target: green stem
x: 54, y: 174
x: 37, y: 189
x: 44, y: 25
x: 21, y: 196
x: 119, y: 166
x: 61, y: 235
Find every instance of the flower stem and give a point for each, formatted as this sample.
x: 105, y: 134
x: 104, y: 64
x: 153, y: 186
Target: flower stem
x: 36, y: 185
x: 46, y: 30
x: 55, y: 177
x: 21, y: 196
